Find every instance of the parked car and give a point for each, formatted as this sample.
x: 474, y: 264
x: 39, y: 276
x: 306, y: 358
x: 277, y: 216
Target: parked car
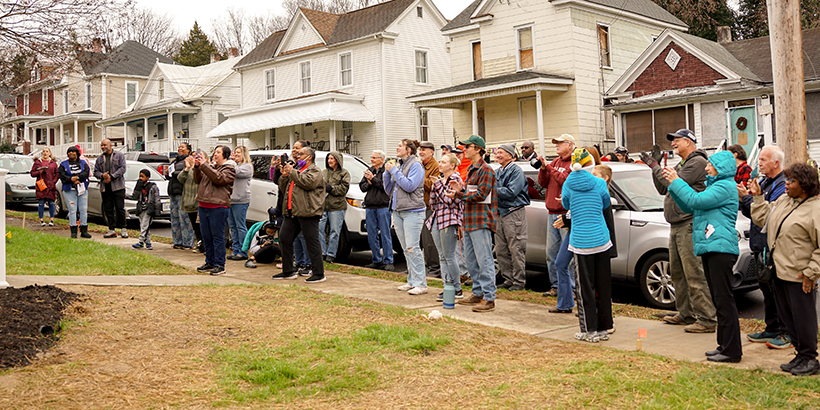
x: 19, y: 182
x: 156, y: 161
x: 132, y: 174
x: 264, y: 193
x: 642, y: 234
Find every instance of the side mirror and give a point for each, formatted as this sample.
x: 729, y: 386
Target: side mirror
x: 616, y: 205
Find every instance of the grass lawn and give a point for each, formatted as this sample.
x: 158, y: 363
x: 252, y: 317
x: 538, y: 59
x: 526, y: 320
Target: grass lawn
x: 263, y: 347
x: 36, y: 253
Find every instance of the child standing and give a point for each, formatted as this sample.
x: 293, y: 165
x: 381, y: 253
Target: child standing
x: 146, y: 194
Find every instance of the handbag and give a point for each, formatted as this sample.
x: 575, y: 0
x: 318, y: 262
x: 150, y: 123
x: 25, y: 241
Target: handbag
x: 768, y: 272
x: 41, y: 185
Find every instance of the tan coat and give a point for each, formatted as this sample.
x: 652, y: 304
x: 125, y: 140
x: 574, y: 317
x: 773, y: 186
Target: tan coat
x: 308, y: 193
x: 797, y: 249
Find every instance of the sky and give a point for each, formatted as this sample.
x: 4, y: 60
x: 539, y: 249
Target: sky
x: 185, y: 12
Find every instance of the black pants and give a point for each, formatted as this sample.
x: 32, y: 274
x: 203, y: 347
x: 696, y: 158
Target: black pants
x: 291, y: 227
x: 431, y: 259
x: 773, y: 322
x: 593, y: 290
x: 267, y: 254
x: 193, y: 217
x: 718, y: 270
x: 799, y: 313
x: 113, y: 203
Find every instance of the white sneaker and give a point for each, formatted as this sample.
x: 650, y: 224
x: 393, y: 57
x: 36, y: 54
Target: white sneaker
x: 417, y: 291
x: 405, y: 287
x: 124, y: 233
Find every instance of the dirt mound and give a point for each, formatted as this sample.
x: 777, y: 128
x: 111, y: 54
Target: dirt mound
x: 30, y: 321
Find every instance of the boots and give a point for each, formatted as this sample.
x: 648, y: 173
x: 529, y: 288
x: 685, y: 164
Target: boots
x: 84, y: 232
x: 74, y: 232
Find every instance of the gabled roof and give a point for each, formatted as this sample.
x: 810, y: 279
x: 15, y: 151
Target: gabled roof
x: 264, y: 51
x: 463, y: 18
x: 192, y: 83
x: 324, y: 23
x: 757, y: 56
x: 129, y: 58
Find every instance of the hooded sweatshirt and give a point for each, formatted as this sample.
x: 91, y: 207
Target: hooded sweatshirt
x: 586, y: 196
x: 691, y: 170
x: 337, y: 182
x: 714, y: 209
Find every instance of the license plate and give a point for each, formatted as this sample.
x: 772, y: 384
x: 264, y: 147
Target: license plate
x: 166, y: 205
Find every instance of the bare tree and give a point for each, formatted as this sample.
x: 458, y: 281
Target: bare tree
x: 230, y: 30
x: 144, y: 25
x: 262, y: 26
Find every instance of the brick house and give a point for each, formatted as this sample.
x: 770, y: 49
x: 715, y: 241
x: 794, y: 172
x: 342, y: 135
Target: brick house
x: 34, y: 101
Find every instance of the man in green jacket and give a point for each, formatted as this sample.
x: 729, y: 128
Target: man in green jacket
x: 303, y: 201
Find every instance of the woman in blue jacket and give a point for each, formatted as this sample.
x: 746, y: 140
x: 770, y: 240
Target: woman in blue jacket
x: 715, y: 241
x: 74, y: 173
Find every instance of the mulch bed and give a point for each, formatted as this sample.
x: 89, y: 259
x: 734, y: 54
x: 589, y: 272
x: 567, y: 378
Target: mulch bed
x: 30, y: 321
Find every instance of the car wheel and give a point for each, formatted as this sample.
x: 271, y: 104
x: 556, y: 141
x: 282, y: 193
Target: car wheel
x: 60, y: 211
x: 656, y: 282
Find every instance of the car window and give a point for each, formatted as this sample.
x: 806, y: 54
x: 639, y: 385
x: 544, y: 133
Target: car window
x: 353, y: 166
x: 17, y: 165
x: 638, y: 186
x: 132, y: 172
x: 261, y: 166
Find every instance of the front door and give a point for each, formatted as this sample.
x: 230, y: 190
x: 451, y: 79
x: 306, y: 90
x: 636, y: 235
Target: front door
x: 744, y: 129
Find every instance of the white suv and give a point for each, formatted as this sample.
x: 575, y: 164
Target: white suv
x: 264, y: 193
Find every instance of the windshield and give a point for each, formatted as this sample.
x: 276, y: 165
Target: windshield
x: 639, y: 188
x: 132, y: 172
x: 354, y: 167
x: 17, y: 165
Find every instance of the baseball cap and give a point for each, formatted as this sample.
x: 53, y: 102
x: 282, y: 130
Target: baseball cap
x: 475, y: 140
x: 682, y: 133
x: 621, y: 150
x: 458, y: 150
x: 448, y: 147
x: 564, y: 137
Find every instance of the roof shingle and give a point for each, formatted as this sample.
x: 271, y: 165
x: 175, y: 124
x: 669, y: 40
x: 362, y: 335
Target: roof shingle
x: 129, y: 58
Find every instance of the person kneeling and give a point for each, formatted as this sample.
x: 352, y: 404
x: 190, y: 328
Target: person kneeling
x: 263, y: 248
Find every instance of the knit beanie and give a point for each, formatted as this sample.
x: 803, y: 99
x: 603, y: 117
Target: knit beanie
x: 509, y: 148
x: 580, y: 159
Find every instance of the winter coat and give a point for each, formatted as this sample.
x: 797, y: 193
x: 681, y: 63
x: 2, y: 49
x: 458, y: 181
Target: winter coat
x: 303, y: 192
x: 714, y: 209
x: 405, y: 183
x: 691, y: 170
x: 511, y: 188
x: 552, y: 178
x: 430, y: 170
x: 242, y: 184
x: 117, y: 171
x: 337, y: 182
x: 189, y: 191
x: 586, y: 196
x: 65, y: 173
x: 50, y: 175
x: 798, y: 247
x: 772, y: 188
x: 215, y: 183
x: 375, y: 196
x: 147, y: 197
x: 175, y: 186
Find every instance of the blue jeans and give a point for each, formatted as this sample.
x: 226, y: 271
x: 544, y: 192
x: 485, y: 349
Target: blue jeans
x: 446, y: 241
x: 408, y: 229
x: 336, y: 219
x: 212, y: 224
x: 379, y: 238
x: 236, y: 220
x: 181, y: 228
x: 41, y: 207
x: 300, y: 250
x: 478, y: 250
x: 554, y: 238
x: 74, y: 203
x: 566, y: 280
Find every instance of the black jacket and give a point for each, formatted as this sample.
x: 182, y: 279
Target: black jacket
x: 147, y: 197
x: 375, y: 196
x: 757, y: 240
x: 174, y: 186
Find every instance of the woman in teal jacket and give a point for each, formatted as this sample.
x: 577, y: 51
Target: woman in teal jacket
x: 715, y: 241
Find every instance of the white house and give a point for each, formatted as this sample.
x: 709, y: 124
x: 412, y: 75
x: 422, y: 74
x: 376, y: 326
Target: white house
x: 340, y: 80
x: 534, y: 69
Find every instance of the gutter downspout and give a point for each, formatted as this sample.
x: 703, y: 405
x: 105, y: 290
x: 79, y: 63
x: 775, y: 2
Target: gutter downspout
x: 383, y: 98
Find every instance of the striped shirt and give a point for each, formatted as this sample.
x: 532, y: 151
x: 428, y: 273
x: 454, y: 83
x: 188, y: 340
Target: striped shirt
x: 478, y: 215
x: 446, y: 211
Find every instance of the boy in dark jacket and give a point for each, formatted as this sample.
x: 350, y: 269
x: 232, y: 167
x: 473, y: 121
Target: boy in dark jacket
x: 149, y: 206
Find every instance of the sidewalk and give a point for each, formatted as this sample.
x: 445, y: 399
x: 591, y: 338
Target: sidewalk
x: 662, y: 339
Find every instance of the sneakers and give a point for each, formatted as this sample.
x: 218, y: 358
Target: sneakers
x: 505, y: 285
x: 204, y: 268
x: 603, y: 335
x: 470, y: 300
x: 316, y: 279
x: 329, y: 259
x: 552, y: 292
x: 698, y: 328
x: 806, y: 368
x: 124, y: 233
x: 285, y: 275
x: 178, y: 246
x: 404, y: 288
x: 139, y: 245
x: 110, y: 234
x: 459, y: 295
x: 591, y: 337
x: 418, y: 291
x: 42, y: 223
x: 389, y: 267
x: 484, y: 306
x: 787, y: 367
x: 761, y: 337
x: 305, y: 270
x: 236, y: 257
x: 250, y: 264
x: 148, y: 246
x: 780, y: 342
x: 375, y: 265
x: 218, y: 270
x: 51, y: 223
x: 556, y: 310
x: 675, y: 320
x: 515, y: 288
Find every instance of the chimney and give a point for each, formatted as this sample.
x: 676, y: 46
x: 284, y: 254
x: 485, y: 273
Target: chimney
x: 724, y: 34
x: 96, y: 45
x: 234, y: 52
x: 214, y: 57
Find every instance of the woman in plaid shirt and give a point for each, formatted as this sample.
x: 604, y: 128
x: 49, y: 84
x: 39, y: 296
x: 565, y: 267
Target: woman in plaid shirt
x: 447, y: 216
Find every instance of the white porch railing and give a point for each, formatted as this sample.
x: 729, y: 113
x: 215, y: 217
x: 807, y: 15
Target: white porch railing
x: 166, y: 146
x: 59, y: 151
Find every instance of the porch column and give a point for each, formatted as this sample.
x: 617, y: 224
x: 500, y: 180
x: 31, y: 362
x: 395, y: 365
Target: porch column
x: 125, y: 134
x: 233, y: 141
x: 48, y: 134
x: 539, y: 121
x: 332, y: 136
x: 292, y: 137
x: 26, y: 132
x: 144, y: 133
x: 76, y: 131
x: 267, y: 138
x: 475, y: 117
x: 169, y: 132
x: 60, y: 138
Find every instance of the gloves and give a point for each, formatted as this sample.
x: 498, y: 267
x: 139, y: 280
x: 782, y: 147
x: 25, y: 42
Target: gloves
x: 328, y: 188
x: 657, y: 154
x: 649, y: 160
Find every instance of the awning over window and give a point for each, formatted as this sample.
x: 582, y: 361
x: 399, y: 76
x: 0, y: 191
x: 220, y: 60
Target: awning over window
x: 293, y: 112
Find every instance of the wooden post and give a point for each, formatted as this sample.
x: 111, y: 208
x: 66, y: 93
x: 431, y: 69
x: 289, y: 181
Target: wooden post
x: 787, y: 69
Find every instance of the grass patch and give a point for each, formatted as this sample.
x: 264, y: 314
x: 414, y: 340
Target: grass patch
x: 32, y: 218
x: 35, y: 253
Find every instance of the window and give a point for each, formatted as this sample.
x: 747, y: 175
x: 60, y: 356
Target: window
x: 603, y: 46
x: 304, y: 75
x: 65, y: 102
x: 345, y: 71
x: 161, y: 130
x: 347, y: 130
x: 477, y: 66
x: 161, y: 89
x: 270, y: 84
x: 25, y: 104
x: 45, y: 100
x: 424, y: 125
x: 420, y: 12
x: 421, y: 67
x: 35, y: 73
x: 87, y: 96
x: 525, y: 57
x: 131, y: 89
x: 89, y: 133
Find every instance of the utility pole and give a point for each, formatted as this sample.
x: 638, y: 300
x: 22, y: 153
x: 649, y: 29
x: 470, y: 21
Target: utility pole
x: 787, y: 70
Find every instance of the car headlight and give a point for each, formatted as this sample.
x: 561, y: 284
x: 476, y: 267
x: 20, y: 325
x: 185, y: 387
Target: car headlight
x: 14, y: 185
x: 355, y: 202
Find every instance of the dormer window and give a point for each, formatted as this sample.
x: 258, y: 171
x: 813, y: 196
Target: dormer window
x: 420, y: 12
x: 161, y: 89
x: 35, y: 73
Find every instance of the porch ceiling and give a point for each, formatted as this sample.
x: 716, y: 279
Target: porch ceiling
x: 175, y: 107
x: 86, y: 115
x: 516, y: 83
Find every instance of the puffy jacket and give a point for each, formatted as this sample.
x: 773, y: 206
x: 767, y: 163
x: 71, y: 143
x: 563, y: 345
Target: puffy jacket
x: 374, y: 196
x: 147, y: 197
x: 691, y: 170
x: 586, y: 196
x: 552, y: 178
x: 117, y: 170
x: 406, y: 183
x: 64, y: 171
x: 511, y: 188
x: 339, y: 182
x: 215, y: 183
x: 714, y: 209
x: 175, y: 186
x: 307, y: 198
x: 242, y: 184
x: 49, y: 176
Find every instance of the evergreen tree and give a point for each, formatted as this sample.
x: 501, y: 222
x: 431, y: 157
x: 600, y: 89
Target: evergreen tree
x: 196, y: 50
x: 702, y: 16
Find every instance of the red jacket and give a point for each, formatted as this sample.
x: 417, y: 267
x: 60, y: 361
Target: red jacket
x: 552, y: 177
x: 49, y: 176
